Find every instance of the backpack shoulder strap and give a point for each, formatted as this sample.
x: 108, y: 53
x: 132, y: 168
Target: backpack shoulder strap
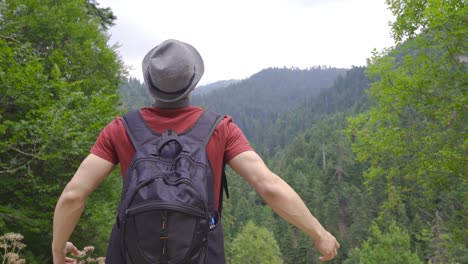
x: 202, y: 131
x: 137, y: 129
x: 204, y: 127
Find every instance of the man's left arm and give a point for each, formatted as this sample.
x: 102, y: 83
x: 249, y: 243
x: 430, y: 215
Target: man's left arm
x: 71, y: 203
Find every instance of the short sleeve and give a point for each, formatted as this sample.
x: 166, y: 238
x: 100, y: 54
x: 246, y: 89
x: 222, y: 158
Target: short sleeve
x: 104, y: 147
x: 236, y: 142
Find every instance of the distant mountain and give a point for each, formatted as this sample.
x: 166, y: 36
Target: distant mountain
x: 347, y: 96
x: 256, y: 102
x: 204, y: 89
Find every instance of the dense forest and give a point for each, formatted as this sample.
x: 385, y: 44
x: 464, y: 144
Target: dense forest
x: 378, y: 152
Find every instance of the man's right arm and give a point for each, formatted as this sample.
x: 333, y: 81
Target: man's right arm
x: 284, y: 201
x: 71, y: 203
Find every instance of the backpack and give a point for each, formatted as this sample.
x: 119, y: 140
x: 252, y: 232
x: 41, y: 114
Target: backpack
x: 166, y: 212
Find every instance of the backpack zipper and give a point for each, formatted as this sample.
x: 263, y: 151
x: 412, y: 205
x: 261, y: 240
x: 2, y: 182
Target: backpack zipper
x: 166, y: 179
x: 162, y: 205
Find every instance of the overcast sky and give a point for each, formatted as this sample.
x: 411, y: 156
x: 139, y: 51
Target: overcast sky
x: 238, y: 38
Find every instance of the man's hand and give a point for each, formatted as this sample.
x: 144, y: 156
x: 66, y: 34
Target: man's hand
x: 327, y: 246
x: 60, y: 256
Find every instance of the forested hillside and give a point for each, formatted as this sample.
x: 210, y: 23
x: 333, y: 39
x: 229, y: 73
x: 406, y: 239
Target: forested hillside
x: 318, y: 162
x: 258, y: 101
x: 134, y: 94
x: 204, y: 89
x: 378, y: 153
x: 345, y: 95
x: 311, y: 151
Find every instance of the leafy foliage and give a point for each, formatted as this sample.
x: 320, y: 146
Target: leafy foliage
x: 56, y: 92
x: 414, y: 137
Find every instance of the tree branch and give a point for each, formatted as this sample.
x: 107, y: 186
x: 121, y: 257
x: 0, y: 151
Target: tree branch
x: 22, y: 152
x: 11, y: 171
x: 11, y: 38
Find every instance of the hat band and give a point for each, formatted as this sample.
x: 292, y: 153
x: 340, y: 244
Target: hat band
x: 170, y: 93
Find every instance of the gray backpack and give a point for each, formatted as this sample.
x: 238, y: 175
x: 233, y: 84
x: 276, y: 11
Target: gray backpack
x: 166, y: 212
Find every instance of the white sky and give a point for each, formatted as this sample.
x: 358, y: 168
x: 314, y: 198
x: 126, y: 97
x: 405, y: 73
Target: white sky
x: 238, y: 38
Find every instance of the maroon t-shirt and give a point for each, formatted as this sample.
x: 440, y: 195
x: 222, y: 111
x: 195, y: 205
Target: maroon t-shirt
x: 227, y: 141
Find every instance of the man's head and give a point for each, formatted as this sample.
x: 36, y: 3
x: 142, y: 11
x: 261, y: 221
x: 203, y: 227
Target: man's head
x: 171, y: 71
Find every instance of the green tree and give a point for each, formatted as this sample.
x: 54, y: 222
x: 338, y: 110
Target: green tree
x: 414, y: 137
x: 391, y: 247
x: 58, y: 87
x: 254, y: 244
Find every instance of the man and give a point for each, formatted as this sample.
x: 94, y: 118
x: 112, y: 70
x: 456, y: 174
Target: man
x: 171, y: 71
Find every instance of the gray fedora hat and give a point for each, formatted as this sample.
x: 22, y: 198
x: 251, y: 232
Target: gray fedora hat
x: 171, y: 70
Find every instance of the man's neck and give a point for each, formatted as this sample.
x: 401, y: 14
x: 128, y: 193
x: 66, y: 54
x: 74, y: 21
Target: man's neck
x: 179, y: 104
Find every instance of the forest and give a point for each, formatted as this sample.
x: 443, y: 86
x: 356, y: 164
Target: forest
x: 377, y: 152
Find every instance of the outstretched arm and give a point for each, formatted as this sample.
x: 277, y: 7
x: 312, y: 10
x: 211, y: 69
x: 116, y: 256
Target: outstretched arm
x: 70, y: 205
x: 284, y: 201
